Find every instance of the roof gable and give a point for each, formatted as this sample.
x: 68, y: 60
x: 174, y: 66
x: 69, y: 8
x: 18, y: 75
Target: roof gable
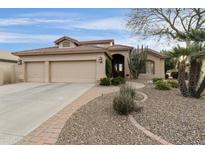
x: 68, y: 39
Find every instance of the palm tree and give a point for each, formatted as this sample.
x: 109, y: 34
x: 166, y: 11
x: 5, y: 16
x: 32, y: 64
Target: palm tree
x: 193, y: 54
x: 181, y: 55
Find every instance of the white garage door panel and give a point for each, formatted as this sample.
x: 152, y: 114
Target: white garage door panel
x: 73, y: 71
x: 35, y: 72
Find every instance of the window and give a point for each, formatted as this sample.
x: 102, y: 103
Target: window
x: 149, y: 67
x: 66, y: 44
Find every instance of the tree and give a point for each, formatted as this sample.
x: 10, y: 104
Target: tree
x: 192, y: 55
x: 137, y: 61
x: 166, y: 22
x: 185, y: 25
x: 108, y: 68
x: 170, y: 63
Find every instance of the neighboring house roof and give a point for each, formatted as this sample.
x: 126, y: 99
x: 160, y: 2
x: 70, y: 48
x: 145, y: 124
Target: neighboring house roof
x: 6, y: 56
x: 67, y: 38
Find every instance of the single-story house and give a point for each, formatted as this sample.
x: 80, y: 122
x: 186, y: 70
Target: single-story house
x: 71, y: 60
x: 8, y: 63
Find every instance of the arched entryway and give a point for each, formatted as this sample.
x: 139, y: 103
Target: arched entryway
x: 118, y: 65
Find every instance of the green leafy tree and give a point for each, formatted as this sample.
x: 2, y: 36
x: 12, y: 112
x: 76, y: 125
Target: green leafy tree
x: 137, y: 61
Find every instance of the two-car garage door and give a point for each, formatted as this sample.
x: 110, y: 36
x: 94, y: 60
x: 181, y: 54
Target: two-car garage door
x: 73, y: 71
x: 62, y: 71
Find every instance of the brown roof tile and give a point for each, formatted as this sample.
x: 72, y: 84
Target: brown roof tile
x: 119, y: 47
x: 155, y: 53
x: 57, y: 50
x: 96, y: 42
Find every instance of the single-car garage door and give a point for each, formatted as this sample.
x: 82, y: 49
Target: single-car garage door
x: 73, y: 71
x: 35, y: 71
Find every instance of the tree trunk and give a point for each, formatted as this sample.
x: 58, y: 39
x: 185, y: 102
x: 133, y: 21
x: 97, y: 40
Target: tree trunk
x: 194, y: 75
x: 181, y: 79
x: 201, y: 89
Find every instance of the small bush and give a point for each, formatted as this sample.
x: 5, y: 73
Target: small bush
x: 105, y: 81
x: 154, y: 80
x: 118, y: 80
x: 124, y: 103
x: 128, y: 90
x: 174, y: 75
x: 173, y: 83
x: 162, y: 85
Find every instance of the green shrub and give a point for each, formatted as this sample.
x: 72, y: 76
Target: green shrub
x: 174, y: 75
x: 105, y: 81
x: 173, y: 83
x: 154, y: 80
x: 118, y: 80
x: 108, y: 68
x: 124, y: 103
x: 162, y: 85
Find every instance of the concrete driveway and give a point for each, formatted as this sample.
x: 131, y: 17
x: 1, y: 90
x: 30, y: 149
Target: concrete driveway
x: 25, y: 106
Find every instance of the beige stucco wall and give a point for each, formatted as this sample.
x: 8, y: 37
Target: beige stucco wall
x: 158, y: 68
x: 19, y: 74
x: 47, y: 59
x: 100, y: 67
x: 7, y: 72
x: 1, y: 76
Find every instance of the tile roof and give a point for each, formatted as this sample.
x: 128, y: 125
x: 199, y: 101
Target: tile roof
x: 82, y: 47
x: 96, y: 42
x: 6, y: 55
x: 63, y: 50
x: 119, y: 47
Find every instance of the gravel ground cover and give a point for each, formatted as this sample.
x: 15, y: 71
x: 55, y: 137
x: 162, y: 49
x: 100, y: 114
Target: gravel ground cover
x: 176, y: 119
x: 97, y: 123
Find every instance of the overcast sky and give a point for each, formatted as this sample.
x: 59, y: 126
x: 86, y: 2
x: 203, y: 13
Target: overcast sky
x: 22, y: 29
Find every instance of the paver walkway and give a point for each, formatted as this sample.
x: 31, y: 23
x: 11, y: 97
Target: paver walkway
x: 49, y: 131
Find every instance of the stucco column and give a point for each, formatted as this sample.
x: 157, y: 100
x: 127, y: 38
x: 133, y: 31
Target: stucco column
x: 100, y: 67
x: 25, y: 71
x: 47, y: 72
x: 127, y: 71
